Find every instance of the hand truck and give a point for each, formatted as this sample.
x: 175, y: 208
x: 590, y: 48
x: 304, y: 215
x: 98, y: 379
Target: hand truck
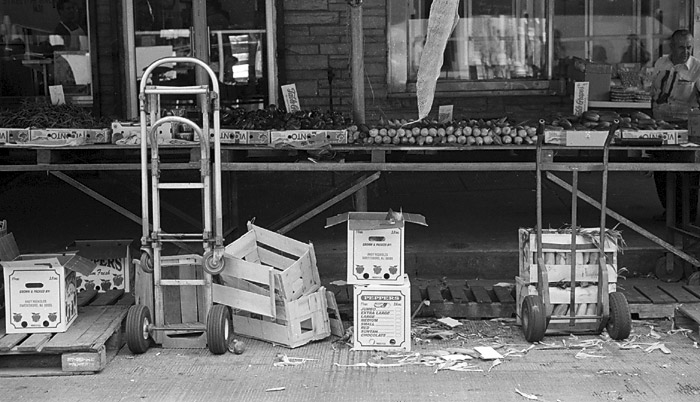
x: 611, y: 310
x: 195, y: 286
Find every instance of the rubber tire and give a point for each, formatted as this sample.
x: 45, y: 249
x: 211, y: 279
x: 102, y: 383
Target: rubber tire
x: 137, y: 321
x: 534, y: 318
x: 619, y: 323
x: 675, y: 275
x: 219, y: 329
x: 210, y: 266
x: 146, y: 262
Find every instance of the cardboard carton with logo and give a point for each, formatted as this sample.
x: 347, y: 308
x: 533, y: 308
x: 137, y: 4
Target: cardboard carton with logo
x: 375, y: 245
x: 382, y: 316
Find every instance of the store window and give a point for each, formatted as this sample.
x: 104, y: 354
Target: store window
x: 613, y: 32
x: 45, y: 43
x: 518, y: 46
x: 236, y: 32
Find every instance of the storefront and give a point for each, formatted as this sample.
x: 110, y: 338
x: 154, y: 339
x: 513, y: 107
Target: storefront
x: 97, y: 50
x: 499, y: 51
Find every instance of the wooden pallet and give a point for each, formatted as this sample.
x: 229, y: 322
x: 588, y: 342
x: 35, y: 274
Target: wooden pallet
x: 86, y: 347
x: 650, y: 298
x: 688, y: 316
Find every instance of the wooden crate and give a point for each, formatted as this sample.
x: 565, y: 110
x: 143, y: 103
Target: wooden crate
x: 556, y: 248
x: 296, y: 322
x: 293, y: 263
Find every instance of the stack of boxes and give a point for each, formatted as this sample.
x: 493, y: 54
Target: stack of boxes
x: 375, y: 268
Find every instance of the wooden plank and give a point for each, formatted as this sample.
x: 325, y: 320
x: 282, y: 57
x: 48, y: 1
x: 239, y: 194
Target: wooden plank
x: 246, y: 270
x: 34, y: 343
x: 127, y: 300
x: 239, y: 299
x: 649, y: 310
x: 480, y: 294
x: 84, y: 362
x: 107, y: 298
x: 119, y: 313
x: 653, y: 293
x: 86, y: 296
x: 171, y: 298
x: 335, y: 321
x: 473, y: 310
x: 280, y: 242
x: 416, y: 297
x: 275, y: 260
x: 243, y: 246
x: 9, y: 341
x: 101, y: 325
x: 65, y: 341
x: 458, y: 295
x: 503, y: 294
x: 694, y: 290
x: 679, y: 294
x: 632, y: 294
x: 691, y: 311
x: 434, y: 294
x: 188, y: 295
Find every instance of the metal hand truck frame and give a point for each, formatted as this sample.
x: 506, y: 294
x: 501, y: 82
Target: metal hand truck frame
x: 140, y: 325
x: 612, y: 311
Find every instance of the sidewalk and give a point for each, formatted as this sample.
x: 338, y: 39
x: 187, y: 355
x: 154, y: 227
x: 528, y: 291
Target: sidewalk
x: 561, y: 368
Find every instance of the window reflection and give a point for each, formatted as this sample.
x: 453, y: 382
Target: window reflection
x: 43, y: 44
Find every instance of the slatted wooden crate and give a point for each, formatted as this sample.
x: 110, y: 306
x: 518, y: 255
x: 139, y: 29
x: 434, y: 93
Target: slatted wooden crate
x: 293, y: 263
x: 556, y: 250
x: 296, y: 322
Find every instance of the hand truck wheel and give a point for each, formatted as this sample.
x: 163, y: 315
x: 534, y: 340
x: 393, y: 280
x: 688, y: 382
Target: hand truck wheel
x: 219, y: 329
x: 694, y: 279
x: 211, y: 264
x: 676, y: 273
x: 619, y: 323
x: 138, y: 319
x: 534, y: 318
x: 146, y: 262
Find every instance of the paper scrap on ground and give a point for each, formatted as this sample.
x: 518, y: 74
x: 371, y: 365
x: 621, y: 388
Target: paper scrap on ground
x: 488, y: 353
x: 275, y: 389
x: 660, y: 346
x: 450, y: 322
x: 528, y: 396
x: 339, y: 282
x: 284, y: 360
x: 583, y: 355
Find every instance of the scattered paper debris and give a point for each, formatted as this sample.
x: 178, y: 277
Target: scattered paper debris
x: 275, y: 389
x: 284, y: 360
x: 653, y: 333
x: 450, y: 322
x: 488, y: 353
x: 528, y: 396
x: 494, y: 364
x: 339, y: 282
x: 350, y: 365
x: 583, y: 355
x: 660, y: 346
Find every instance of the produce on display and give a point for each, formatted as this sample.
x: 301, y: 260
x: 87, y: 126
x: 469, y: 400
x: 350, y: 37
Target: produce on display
x: 603, y: 119
x: 274, y: 118
x: 46, y: 115
x: 464, y: 132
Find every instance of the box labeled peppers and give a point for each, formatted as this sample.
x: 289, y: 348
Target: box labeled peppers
x: 382, y: 316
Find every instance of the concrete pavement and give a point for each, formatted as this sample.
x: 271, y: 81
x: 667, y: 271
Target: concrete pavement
x: 561, y: 368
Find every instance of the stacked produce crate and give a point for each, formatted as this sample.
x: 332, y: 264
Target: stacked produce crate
x: 375, y: 268
x: 556, y: 250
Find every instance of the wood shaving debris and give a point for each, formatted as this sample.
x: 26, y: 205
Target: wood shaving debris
x: 494, y: 364
x: 660, y: 346
x: 531, y: 397
x: 275, y: 389
x: 284, y: 360
x: 583, y: 355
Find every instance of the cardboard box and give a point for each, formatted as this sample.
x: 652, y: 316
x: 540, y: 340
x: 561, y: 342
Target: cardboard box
x: 310, y: 136
x: 113, y: 264
x: 382, y: 316
x: 87, y: 136
x: 13, y: 135
x: 122, y: 131
x: 236, y: 136
x: 375, y: 245
x: 670, y: 137
x: 597, y: 74
x: 40, y: 292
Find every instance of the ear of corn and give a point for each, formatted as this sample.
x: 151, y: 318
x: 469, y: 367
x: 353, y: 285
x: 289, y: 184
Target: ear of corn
x: 442, y: 21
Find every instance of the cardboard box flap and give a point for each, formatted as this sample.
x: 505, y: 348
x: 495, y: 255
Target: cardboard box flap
x: 8, y: 247
x: 375, y: 220
x: 101, y: 249
x: 69, y: 261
